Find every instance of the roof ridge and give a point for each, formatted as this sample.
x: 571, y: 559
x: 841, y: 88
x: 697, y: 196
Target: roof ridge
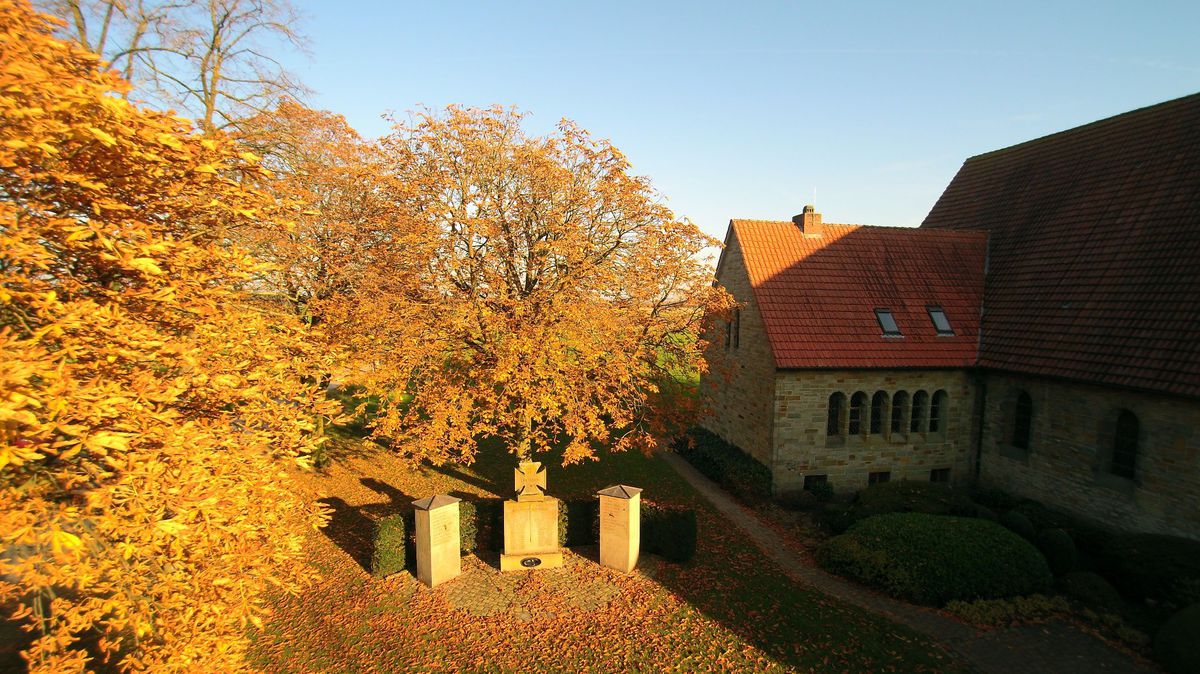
x: 1111, y: 119
x: 917, y: 228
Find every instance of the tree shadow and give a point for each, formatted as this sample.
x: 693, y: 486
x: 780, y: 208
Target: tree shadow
x: 350, y: 530
x: 492, y: 486
x: 394, y: 495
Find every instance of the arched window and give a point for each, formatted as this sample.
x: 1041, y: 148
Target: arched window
x: 1022, y: 421
x: 1125, y: 445
x: 899, y: 411
x: 833, y: 422
x: 878, y: 411
x: 858, y: 403
x: 937, y: 410
x: 920, y: 401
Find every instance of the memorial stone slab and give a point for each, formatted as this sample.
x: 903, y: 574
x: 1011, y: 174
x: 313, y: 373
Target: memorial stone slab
x: 530, y: 523
x: 439, y: 549
x: 620, y: 527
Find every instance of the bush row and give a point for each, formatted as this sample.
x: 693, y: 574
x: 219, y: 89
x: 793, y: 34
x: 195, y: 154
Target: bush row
x: 669, y: 532
x: 929, y: 498
x: 933, y: 559
x: 736, y: 471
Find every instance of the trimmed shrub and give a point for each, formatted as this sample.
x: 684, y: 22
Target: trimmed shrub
x: 1176, y: 646
x: 995, y: 612
x: 930, y: 498
x: 984, y: 513
x: 995, y: 499
x: 933, y: 559
x: 798, y: 499
x: 480, y: 524
x: 669, y: 532
x: 727, y: 465
x: 838, y: 517
x: 1087, y: 536
x: 578, y: 522
x: 1154, y: 566
x: 822, y: 491
x: 1019, y: 524
x: 1092, y: 590
x: 392, y: 541
x: 1059, y: 549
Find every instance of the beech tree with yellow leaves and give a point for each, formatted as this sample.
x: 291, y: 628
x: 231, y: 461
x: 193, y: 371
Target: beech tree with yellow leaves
x: 544, y: 296
x: 149, y: 402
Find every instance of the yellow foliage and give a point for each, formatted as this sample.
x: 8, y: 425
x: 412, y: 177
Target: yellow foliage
x: 530, y: 289
x: 148, y: 401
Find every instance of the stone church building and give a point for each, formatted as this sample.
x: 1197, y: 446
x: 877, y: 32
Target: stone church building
x: 1039, y: 333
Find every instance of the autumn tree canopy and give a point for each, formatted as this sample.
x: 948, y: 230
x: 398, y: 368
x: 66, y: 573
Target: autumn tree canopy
x: 544, y: 296
x: 148, y: 400
x: 340, y: 200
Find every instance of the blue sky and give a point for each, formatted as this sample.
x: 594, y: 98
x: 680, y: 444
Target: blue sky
x: 746, y: 109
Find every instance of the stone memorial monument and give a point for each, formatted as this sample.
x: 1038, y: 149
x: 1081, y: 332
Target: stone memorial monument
x: 439, y: 549
x: 530, y: 523
x: 620, y: 527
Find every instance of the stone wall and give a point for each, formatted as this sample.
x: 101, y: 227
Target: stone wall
x: 803, y: 448
x: 1068, y: 463
x: 740, y: 383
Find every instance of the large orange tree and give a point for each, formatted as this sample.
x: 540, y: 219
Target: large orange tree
x: 535, y: 291
x: 149, y: 403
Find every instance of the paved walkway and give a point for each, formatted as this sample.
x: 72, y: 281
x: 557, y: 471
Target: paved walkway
x: 1053, y: 648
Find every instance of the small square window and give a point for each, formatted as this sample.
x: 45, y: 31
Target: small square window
x: 939, y: 475
x: 811, y: 480
x: 940, y: 322
x: 880, y: 477
x: 887, y: 322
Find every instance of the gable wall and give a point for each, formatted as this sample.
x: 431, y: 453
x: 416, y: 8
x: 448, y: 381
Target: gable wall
x: 740, y: 383
x: 802, y: 447
x: 1067, y: 464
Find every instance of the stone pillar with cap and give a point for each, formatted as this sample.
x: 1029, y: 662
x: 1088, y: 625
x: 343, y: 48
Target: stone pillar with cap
x: 439, y: 548
x: 620, y: 527
x: 530, y: 523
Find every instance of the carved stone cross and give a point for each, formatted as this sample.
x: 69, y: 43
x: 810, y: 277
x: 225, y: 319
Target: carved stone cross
x: 531, y: 481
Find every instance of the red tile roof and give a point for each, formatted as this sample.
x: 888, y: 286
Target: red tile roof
x: 1095, y: 249
x: 818, y: 295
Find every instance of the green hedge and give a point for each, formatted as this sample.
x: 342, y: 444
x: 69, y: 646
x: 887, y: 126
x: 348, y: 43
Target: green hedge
x: 933, y: 559
x: 1019, y: 524
x: 1091, y: 589
x: 1059, y: 550
x: 736, y: 471
x: 1153, y: 566
x: 669, y: 532
x: 480, y: 524
x: 392, y: 548
x: 1177, y: 646
x: 930, y: 498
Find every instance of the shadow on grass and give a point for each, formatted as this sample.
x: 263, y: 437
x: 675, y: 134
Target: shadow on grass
x: 492, y: 485
x: 352, y: 528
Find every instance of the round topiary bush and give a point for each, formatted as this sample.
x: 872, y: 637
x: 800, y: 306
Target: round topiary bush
x: 1153, y: 566
x: 1176, y: 647
x: 1059, y: 549
x: 930, y: 498
x: 1019, y: 524
x: 933, y: 559
x: 984, y: 513
x: 1091, y: 589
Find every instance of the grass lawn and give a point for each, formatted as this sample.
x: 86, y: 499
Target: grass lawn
x: 728, y: 609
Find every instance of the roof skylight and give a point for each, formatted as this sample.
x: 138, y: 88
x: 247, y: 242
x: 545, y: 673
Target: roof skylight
x: 940, y: 322
x: 888, y: 323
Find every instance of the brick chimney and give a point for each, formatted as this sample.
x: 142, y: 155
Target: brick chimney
x: 809, y: 221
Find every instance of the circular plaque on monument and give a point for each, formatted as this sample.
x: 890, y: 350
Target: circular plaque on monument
x: 530, y: 562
